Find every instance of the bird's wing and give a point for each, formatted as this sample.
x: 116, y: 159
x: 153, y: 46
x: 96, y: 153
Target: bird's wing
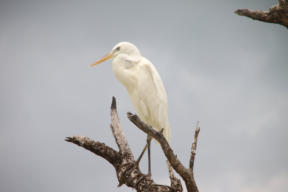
x: 154, y: 98
x: 156, y: 80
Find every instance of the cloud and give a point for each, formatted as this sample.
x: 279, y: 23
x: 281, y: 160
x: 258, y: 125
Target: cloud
x: 239, y: 182
x: 277, y: 183
x: 227, y: 71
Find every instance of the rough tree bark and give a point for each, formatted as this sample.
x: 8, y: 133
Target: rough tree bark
x: 127, y: 171
x: 276, y: 14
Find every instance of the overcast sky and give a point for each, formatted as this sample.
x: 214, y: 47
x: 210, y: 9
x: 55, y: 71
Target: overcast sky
x: 227, y: 71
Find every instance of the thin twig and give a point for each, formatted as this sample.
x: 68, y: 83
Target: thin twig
x: 194, y: 147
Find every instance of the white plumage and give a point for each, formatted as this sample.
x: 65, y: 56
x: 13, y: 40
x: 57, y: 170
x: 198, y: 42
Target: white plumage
x: 143, y: 83
x: 144, y: 86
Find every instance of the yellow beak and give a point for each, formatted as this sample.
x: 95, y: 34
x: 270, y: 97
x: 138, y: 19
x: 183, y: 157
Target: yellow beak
x: 108, y: 56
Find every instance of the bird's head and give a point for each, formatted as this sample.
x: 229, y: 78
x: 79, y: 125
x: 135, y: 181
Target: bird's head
x: 124, y: 48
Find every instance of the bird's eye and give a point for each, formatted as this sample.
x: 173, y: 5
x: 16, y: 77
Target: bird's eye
x: 117, y: 49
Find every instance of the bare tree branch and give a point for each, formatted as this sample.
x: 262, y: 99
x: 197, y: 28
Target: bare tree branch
x: 175, y: 182
x: 194, y: 146
x: 118, y: 132
x: 98, y: 148
x: 127, y: 171
x: 277, y: 14
x: 186, y: 174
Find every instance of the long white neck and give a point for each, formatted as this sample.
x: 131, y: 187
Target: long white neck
x: 124, y: 68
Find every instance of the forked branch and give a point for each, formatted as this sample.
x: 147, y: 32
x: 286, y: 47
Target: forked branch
x: 128, y: 172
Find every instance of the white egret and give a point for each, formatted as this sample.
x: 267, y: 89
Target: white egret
x: 144, y: 87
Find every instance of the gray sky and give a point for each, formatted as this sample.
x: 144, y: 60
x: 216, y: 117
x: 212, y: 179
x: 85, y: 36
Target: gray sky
x: 227, y: 71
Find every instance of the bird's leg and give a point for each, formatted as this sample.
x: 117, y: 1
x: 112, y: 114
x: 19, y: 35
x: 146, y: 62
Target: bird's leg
x: 141, y: 155
x: 149, y: 155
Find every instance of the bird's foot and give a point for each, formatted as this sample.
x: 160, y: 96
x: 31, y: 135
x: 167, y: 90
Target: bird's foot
x: 136, y: 165
x: 149, y: 174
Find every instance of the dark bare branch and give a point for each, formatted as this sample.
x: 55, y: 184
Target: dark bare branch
x: 97, y: 148
x: 175, y: 182
x: 161, y: 139
x: 185, y: 173
x: 128, y: 172
x: 118, y: 132
x: 194, y: 147
x: 277, y: 14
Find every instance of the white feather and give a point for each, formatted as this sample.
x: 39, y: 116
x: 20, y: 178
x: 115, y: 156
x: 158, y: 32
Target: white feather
x: 144, y: 86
